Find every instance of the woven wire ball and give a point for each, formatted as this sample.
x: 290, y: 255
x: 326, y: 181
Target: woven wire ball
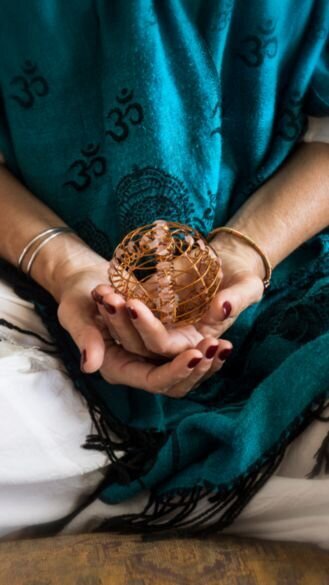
x: 168, y: 266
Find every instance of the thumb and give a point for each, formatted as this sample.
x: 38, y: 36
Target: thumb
x: 229, y: 303
x: 86, y: 333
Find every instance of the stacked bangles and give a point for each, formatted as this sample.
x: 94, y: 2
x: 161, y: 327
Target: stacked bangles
x: 45, y: 236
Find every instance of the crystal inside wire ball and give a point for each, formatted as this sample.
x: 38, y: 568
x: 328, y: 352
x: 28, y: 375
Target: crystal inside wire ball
x: 170, y: 267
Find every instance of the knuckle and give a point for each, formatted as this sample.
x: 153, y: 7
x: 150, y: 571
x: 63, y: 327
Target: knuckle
x: 157, y: 346
x: 153, y: 383
x: 153, y: 389
x: 162, y: 388
x: 180, y: 390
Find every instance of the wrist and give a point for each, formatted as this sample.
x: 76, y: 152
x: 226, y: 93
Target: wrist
x: 60, y: 260
x: 225, y: 243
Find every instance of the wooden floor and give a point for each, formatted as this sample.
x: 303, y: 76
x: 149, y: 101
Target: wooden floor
x: 107, y: 559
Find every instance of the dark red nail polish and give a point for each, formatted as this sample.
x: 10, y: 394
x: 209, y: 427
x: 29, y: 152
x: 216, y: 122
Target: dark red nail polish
x: 132, y: 313
x: 211, y: 351
x: 194, y: 362
x: 83, y: 360
x: 110, y: 309
x: 227, y: 308
x: 97, y: 297
x: 225, y: 354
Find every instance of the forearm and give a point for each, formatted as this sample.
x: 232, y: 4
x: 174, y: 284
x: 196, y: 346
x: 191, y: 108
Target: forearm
x: 23, y: 216
x: 290, y: 208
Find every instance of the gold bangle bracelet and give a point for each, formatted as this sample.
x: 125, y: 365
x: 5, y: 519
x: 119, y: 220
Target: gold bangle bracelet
x: 241, y: 236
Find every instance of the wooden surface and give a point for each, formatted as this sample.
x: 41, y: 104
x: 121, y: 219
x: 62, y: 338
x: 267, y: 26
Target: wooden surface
x: 107, y: 559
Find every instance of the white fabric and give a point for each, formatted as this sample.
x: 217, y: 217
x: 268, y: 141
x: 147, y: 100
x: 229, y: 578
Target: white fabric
x: 45, y: 474
x: 317, y: 130
x: 43, y: 422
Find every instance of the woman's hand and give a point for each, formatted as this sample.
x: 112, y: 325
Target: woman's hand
x: 140, y: 332
x: 174, y: 378
x: 78, y: 314
x: 242, y: 284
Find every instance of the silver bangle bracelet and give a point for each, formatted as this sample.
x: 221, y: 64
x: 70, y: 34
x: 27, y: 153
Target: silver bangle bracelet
x: 52, y: 233
x: 30, y: 244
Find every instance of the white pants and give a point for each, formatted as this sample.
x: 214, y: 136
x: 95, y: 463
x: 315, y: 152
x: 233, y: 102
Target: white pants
x: 45, y: 474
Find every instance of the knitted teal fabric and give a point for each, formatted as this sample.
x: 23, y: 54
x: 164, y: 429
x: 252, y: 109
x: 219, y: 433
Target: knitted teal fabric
x: 116, y: 113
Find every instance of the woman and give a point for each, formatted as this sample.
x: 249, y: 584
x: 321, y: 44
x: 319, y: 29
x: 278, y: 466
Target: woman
x: 114, y: 115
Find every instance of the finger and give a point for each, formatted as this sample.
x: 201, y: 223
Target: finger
x: 107, y: 327
x: 156, y: 336
x: 228, y: 304
x: 210, y: 348
x: 223, y: 354
x: 81, y: 323
x: 97, y: 295
x: 118, y: 319
x: 181, y: 389
x: 100, y: 291
x: 115, y: 314
x: 122, y: 367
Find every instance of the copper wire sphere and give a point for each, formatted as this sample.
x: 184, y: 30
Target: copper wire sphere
x: 170, y: 267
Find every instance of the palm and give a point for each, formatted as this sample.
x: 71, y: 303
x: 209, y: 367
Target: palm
x: 240, y: 287
x: 79, y: 315
x: 147, y: 336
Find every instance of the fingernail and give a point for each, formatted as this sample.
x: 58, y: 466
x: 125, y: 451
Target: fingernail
x: 225, y: 354
x: 132, y: 313
x: 227, y: 308
x: 194, y: 362
x: 97, y: 297
x: 83, y: 360
x: 109, y: 308
x: 211, y: 351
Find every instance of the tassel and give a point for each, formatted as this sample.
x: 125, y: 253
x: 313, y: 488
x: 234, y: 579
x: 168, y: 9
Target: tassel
x: 322, y: 459
x: 221, y: 505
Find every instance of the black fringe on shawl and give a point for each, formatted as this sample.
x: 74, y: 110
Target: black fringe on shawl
x: 167, y: 513
x: 321, y: 459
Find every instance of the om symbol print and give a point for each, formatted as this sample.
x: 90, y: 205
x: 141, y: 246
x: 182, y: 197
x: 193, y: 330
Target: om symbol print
x: 256, y: 48
x: 125, y: 115
x: 29, y: 86
x: 86, y: 170
x: 292, y: 119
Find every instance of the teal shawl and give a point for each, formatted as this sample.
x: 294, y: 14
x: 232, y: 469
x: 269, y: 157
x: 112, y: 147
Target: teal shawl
x: 116, y: 113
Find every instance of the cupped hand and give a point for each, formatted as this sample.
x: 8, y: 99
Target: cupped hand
x: 174, y: 378
x: 78, y: 314
x: 133, y: 324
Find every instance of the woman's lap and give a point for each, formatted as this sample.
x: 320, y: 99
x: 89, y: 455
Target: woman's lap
x: 44, y: 422
x: 46, y: 475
